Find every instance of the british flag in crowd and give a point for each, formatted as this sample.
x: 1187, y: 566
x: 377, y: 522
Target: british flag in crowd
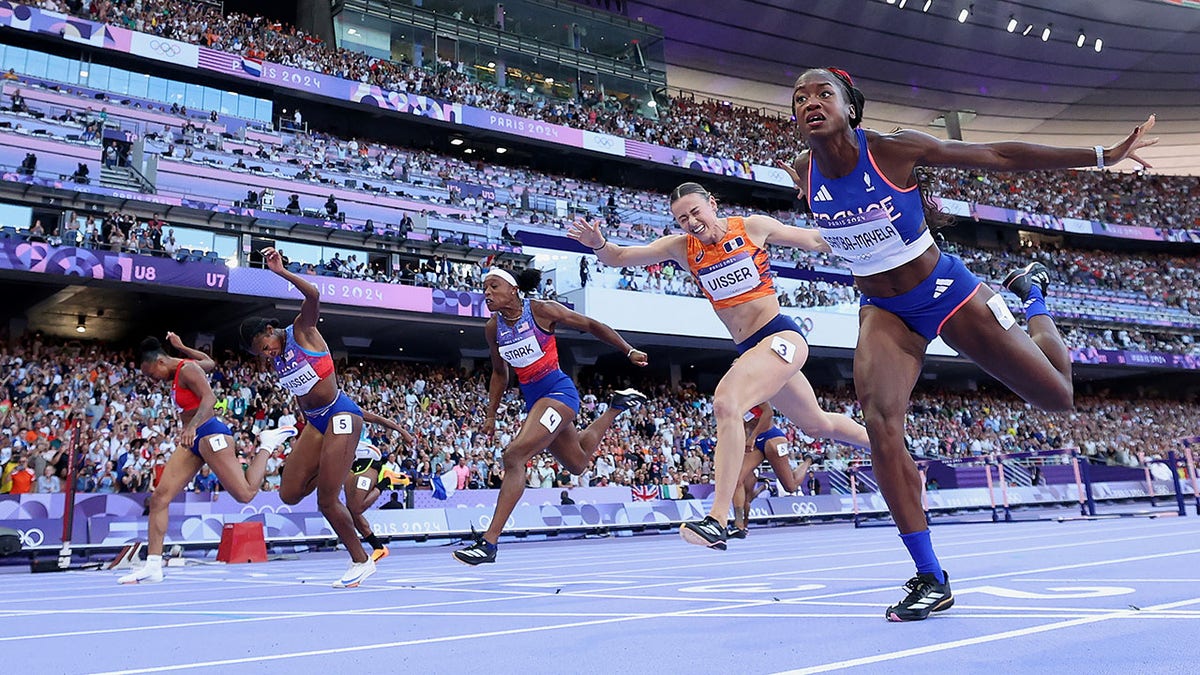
x: 645, y: 493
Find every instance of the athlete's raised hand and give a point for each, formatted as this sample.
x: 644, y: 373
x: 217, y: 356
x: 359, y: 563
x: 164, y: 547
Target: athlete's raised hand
x: 587, y: 233
x: 638, y: 357
x: 174, y: 340
x: 791, y: 172
x: 1127, y: 149
x: 274, y: 259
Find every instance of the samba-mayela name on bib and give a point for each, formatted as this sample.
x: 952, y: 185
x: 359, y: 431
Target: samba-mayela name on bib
x: 730, y: 277
x: 862, y: 236
x: 523, y: 353
x: 300, y: 382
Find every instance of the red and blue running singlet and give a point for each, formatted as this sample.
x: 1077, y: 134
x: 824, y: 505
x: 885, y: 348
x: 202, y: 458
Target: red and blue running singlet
x: 299, y: 369
x: 185, y: 399
x: 531, y: 351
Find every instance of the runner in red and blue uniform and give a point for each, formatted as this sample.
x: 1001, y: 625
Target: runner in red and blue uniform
x: 205, y: 439
x: 521, y: 334
x: 322, y: 455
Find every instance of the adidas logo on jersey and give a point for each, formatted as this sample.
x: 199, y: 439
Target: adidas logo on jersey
x: 823, y: 195
x: 941, y: 286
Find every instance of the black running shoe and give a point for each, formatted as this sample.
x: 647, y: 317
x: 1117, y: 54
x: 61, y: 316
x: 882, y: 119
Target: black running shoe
x: 627, y: 398
x: 478, y: 553
x: 925, y: 595
x: 735, y: 532
x: 1020, y: 281
x: 707, y: 532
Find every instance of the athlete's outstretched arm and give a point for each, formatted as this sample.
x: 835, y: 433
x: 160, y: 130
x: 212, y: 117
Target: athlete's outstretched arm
x: 310, y: 309
x: 671, y: 247
x: 550, y: 313
x: 203, y: 360
x: 771, y: 231
x: 926, y: 150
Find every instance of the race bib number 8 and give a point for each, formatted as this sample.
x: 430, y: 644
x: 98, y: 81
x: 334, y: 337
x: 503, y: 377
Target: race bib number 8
x: 364, y: 483
x: 342, y: 424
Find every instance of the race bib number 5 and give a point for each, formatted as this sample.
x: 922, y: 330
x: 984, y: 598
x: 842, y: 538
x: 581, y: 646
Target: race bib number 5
x: 342, y: 424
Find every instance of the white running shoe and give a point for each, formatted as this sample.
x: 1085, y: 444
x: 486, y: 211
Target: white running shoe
x: 270, y: 439
x: 356, y: 574
x: 146, y: 574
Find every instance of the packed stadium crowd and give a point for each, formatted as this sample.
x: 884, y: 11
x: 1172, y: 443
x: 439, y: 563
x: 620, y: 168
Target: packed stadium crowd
x: 708, y: 127
x: 63, y: 396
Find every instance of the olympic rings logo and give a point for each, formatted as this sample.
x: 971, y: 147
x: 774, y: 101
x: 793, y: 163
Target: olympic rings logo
x: 167, y: 49
x: 266, y: 508
x: 31, y: 538
x: 804, y: 508
x: 806, y: 325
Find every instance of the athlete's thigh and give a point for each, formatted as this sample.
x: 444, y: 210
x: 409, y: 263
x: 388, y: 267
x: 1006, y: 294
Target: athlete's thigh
x: 303, y: 462
x: 179, y: 469
x: 887, y: 361
x: 547, y: 421
x: 798, y: 402
x: 761, y: 372
x: 1007, y: 354
x: 337, y: 450
x: 217, y: 451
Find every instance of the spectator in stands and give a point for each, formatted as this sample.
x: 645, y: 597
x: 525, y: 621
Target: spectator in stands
x: 18, y: 102
x: 29, y: 164
x: 110, y: 154
x: 20, y: 477
x: 205, y: 481
x: 251, y: 200
x: 81, y: 174
x: 331, y: 208
x: 293, y: 206
x: 393, y: 501
x: 564, y: 499
x: 48, y: 482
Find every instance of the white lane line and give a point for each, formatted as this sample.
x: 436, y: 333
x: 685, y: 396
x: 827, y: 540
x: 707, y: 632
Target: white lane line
x: 980, y: 639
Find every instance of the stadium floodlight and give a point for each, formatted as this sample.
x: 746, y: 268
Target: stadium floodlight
x: 1082, y: 38
x: 1046, y: 32
x: 1099, y: 45
x: 1012, y: 23
x: 966, y: 12
x: 1028, y: 28
x: 927, y: 5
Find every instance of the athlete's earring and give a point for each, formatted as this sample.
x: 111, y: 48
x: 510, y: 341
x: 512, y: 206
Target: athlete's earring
x: 851, y: 108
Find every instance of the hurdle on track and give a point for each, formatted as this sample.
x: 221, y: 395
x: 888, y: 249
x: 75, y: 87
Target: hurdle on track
x: 1173, y: 462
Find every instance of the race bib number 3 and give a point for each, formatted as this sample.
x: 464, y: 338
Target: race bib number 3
x: 784, y: 348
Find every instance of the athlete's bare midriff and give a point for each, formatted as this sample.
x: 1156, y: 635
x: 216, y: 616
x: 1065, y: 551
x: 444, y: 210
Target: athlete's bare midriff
x: 902, y: 279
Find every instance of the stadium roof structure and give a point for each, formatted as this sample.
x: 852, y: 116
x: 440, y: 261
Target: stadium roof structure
x: 915, y: 66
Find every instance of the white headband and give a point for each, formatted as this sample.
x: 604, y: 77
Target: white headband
x: 497, y: 272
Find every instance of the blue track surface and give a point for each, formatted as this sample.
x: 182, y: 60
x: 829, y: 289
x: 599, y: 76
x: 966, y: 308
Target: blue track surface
x: 1118, y: 596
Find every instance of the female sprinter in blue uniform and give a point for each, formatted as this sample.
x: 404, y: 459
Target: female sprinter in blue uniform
x: 866, y: 202
x: 322, y: 455
x: 521, y: 334
x: 764, y: 440
x: 207, y: 441
x: 728, y: 257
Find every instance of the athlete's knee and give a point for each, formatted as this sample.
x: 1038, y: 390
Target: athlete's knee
x: 328, y: 501
x: 159, y: 500
x: 515, y: 456
x: 574, y: 466
x: 290, y: 497
x: 242, y: 493
x: 726, y: 407
x: 1058, y: 399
